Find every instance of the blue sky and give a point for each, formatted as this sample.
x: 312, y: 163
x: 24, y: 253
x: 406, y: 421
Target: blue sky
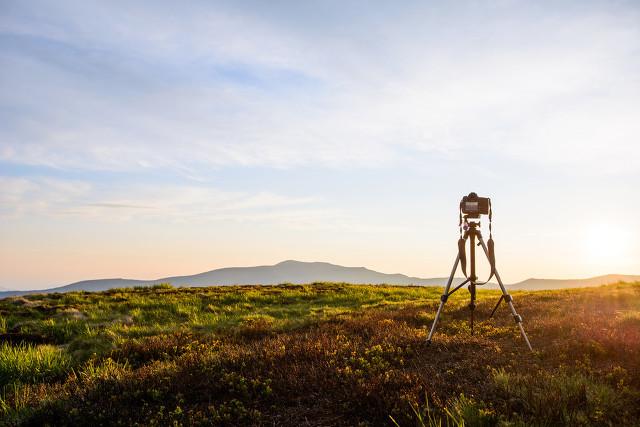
x: 145, y: 139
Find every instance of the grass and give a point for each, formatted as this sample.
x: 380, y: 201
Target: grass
x: 562, y: 398
x: 319, y: 354
x: 31, y: 363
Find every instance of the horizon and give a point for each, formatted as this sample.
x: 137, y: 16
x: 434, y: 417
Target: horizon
x: 428, y: 277
x: 150, y: 140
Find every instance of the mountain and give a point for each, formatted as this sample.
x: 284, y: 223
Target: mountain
x: 285, y: 272
x: 308, y: 272
x: 540, y: 284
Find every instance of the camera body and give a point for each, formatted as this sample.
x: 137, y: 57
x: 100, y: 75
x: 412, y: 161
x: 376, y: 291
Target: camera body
x: 473, y: 206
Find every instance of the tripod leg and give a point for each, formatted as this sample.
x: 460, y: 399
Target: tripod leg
x: 443, y: 298
x: 508, y: 299
x: 496, y: 307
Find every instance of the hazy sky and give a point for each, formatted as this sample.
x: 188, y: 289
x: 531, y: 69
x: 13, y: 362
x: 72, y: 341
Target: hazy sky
x: 145, y: 139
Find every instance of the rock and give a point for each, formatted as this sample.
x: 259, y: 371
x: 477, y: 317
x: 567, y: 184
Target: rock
x: 72, y: 313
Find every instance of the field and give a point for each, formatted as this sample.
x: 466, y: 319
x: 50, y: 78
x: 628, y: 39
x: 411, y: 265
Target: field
x: 318, y: 355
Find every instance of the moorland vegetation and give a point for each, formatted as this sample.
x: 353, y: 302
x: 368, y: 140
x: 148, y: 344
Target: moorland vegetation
x: 320, y: 354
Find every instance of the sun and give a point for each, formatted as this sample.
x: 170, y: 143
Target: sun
x: 606, y: 243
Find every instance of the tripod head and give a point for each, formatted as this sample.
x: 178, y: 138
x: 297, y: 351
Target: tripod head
x: 468, y: 224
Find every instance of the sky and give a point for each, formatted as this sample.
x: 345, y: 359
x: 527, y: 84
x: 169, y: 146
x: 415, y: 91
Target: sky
x: 143, y: 139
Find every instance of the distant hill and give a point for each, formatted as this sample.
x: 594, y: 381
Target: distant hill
x: 308, y: 272
x: 285, y: 272
x: 540, y: 284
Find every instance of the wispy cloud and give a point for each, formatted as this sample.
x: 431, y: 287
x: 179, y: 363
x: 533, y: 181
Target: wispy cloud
x: 216, y: 86
x: 27, y: 196
x: 118, y: 206
x: 46, y: 197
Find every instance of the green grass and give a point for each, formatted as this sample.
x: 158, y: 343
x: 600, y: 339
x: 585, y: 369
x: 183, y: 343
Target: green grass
x: 563, y: 397
x: 26, y: 363
x: 319, y: 354
x: 133, y: 313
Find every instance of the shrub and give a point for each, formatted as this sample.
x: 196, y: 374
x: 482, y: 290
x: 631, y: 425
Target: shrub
x: 99, y: 371
x: 560, y: 398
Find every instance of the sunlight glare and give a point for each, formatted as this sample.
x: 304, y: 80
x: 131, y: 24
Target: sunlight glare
x: 605, y: 243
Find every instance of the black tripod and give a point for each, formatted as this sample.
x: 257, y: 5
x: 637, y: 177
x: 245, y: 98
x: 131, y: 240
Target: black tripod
x: 472, y: 233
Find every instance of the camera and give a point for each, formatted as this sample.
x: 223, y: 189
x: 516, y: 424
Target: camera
x: 474, y: 206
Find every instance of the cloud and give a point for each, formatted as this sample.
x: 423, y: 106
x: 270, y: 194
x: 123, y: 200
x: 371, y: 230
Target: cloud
x: 125, y: 87
x: 27, y: 196
x: 58, y: 198
x: 118, y: 206
x: 54, y: 197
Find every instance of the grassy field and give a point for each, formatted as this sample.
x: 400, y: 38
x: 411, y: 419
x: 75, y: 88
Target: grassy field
x: 320, y: 354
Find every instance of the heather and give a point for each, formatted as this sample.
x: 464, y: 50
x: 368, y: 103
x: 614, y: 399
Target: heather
x: 319, y: 354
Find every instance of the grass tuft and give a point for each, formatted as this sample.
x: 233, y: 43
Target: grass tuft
x: 27, y: 363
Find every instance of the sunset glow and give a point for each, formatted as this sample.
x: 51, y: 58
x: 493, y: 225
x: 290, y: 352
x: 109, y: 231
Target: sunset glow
x: 607, y: 245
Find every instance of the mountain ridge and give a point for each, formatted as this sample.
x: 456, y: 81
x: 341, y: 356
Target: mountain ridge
x: 299, y: 272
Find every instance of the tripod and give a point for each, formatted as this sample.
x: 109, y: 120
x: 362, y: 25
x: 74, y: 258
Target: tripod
x: 472, y: 233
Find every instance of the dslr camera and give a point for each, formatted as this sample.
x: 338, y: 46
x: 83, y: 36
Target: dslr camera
x: 473, y: 206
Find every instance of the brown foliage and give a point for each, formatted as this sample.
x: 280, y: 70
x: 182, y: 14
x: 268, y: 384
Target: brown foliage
x: 369, y: 365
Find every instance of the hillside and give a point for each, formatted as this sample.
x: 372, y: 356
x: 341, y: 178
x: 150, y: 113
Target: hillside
x: 297, y: 272
x: 318, y: 355
x: 542, y: 284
